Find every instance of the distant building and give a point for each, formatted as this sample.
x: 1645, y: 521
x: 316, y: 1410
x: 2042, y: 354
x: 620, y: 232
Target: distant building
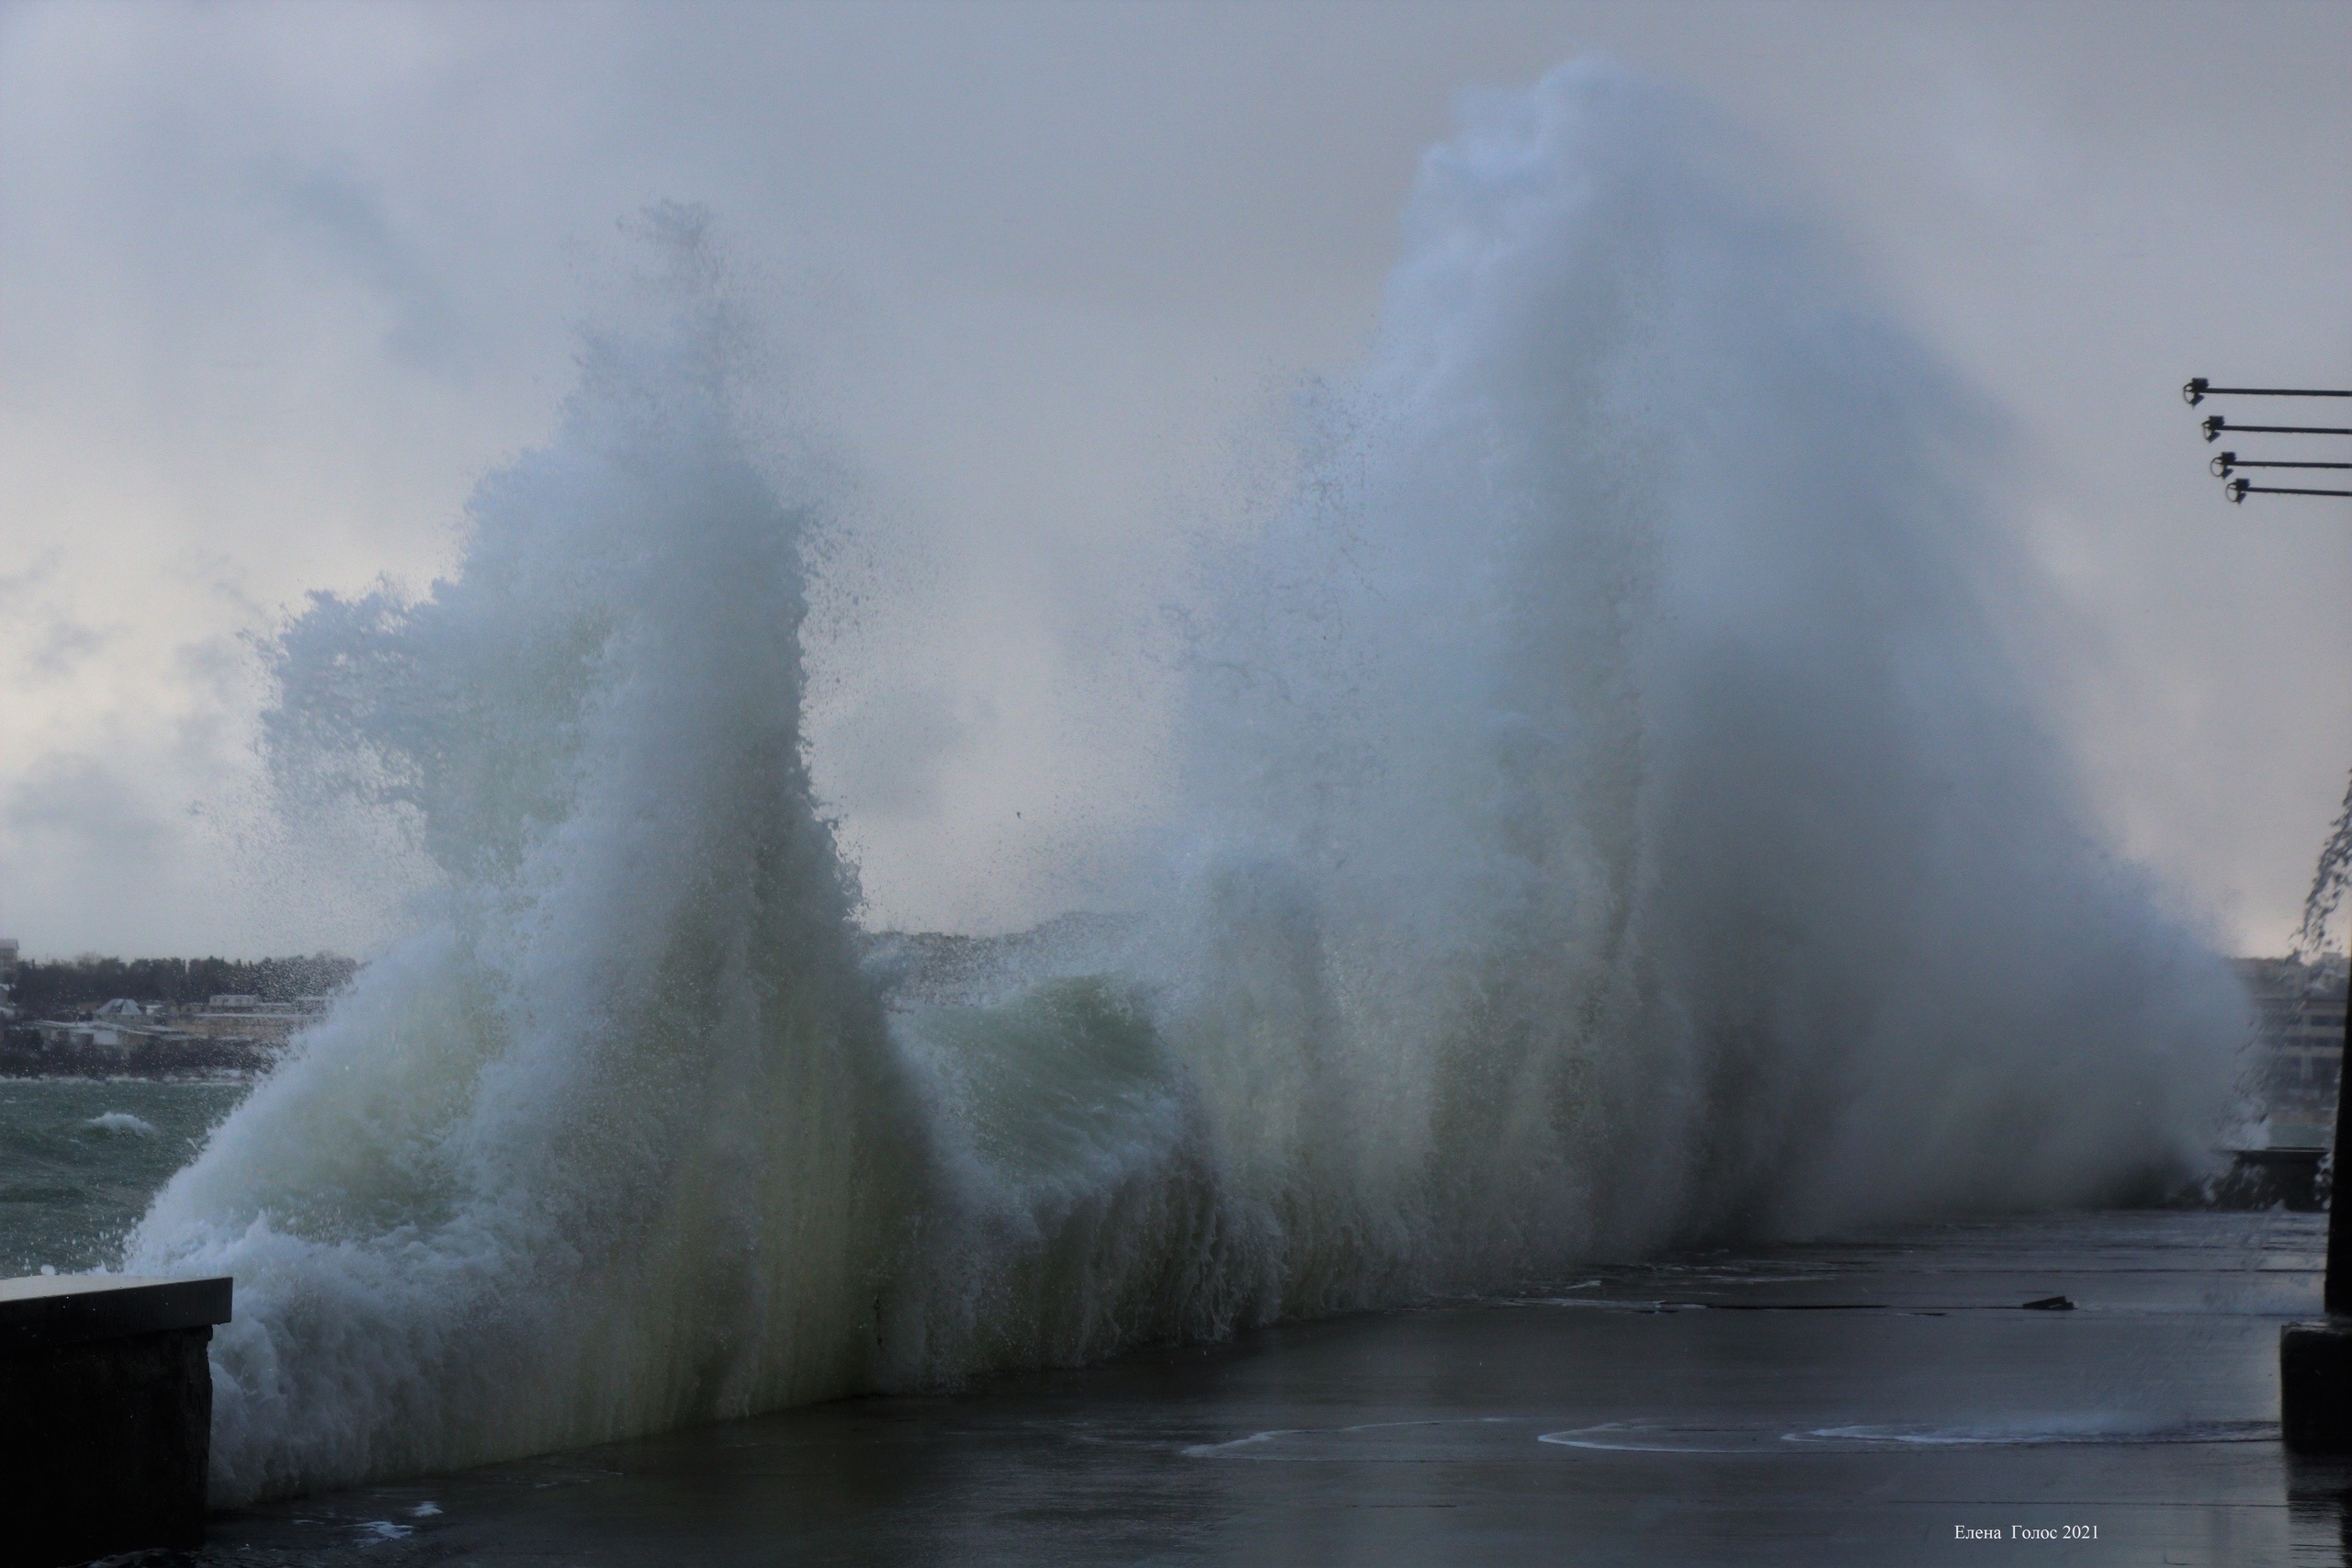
x: 115, y: 1038
x: 126, y: 1034
x: 9, y: 952
x: 239, y: 1017
x: 2299, y: 1013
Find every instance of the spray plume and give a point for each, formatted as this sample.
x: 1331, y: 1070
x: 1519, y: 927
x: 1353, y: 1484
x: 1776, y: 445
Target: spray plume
x: 1597, y: 834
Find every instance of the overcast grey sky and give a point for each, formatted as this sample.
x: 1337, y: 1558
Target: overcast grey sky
x: 277, y: 283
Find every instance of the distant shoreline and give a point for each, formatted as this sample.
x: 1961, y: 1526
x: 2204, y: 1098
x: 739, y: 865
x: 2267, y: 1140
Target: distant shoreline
x: 20, y: 1065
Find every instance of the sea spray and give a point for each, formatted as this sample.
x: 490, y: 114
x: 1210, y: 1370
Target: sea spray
x: 1630, y: 732
x: 1601, y: 827
x: 615, y: 1141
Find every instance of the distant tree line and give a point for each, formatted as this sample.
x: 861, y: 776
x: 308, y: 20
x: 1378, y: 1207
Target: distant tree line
x: 45, y: 991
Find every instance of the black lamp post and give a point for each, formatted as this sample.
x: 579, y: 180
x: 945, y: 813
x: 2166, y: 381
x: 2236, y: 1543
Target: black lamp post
x: 2314, y: 1358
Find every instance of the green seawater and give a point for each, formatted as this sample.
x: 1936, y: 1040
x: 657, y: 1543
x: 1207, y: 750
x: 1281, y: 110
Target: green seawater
x: 80, y: 1159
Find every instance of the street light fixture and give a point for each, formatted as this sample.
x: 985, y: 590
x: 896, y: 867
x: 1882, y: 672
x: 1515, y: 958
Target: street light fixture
x: 2214, y: 424
x: 2221, y: 464
x: 2196, y: 390
x: 2238, y: 490
x: 2237, y: 486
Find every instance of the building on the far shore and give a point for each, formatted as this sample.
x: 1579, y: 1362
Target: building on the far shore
x: 248, y: 1018
x: 125, y: 1034
x: 117, y: 1037
x: 2298, y: 1020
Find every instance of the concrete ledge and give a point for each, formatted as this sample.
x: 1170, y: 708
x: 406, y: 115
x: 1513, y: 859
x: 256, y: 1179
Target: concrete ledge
x: 106, y: 1413
x: 46, y: 1311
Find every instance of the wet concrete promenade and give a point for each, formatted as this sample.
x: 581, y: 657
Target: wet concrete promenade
x: 1819, y: 1404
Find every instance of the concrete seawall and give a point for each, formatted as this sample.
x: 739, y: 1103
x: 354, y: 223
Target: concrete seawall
x: 106, y: 1413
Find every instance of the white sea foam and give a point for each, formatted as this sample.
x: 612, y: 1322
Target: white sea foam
x: 1602, y: 828
x: 121, y: 1123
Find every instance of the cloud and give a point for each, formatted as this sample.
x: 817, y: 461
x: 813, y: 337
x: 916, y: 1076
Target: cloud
x: 277, y: 284
x: 86, y: 803
x: 65, y: 647
x: 18, y: 586
x: 347, y: 216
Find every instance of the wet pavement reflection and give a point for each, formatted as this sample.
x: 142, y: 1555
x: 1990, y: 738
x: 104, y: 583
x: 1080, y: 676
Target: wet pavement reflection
x: 1852, y: 1402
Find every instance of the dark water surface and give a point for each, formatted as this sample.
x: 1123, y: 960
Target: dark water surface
x: 81, y: 1157
x: 1829, y: 1403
